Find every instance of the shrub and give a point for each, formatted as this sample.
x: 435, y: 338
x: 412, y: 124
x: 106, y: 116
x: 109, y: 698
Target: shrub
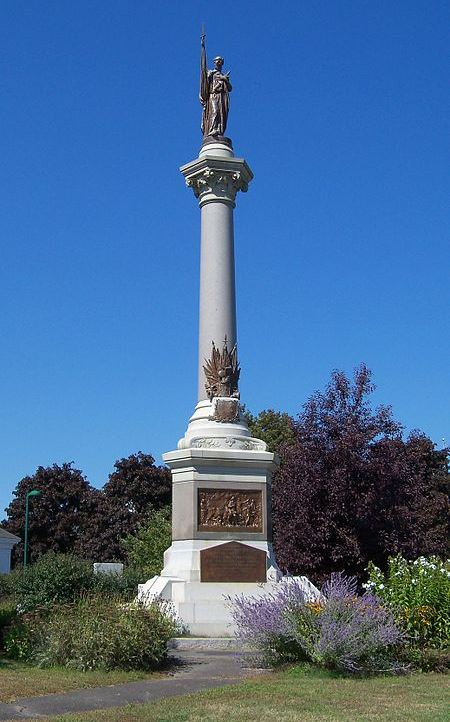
x: 340, y: 630
x: 346, y: 632
x: 5, y: 585
x: 418, y: 593
x: 145, y: 549
x: 94, y: 633
x: 8, y: 614
x: 262, y: 629
x: 61, y: 578
x: 53, y: 579
x: 19, y: 637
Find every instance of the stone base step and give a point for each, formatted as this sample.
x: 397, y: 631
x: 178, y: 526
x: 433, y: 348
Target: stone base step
x: 203, y: 644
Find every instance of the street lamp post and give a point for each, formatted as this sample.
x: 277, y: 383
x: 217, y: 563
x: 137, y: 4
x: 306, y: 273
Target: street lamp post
x: 33, y: 492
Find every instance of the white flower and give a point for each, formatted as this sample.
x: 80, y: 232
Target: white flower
x: 369, y: 585
x: 381, y: 586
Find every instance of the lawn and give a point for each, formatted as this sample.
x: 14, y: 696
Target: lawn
x: 296, y: 696
x: 18, y: 679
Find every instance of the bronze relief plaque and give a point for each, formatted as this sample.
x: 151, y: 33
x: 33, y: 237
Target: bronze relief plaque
x: 227, y: 510
x: 232, y: 562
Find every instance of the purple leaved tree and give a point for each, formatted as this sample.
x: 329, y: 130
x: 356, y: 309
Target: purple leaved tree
x: 350, y: 489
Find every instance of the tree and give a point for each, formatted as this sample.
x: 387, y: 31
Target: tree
x: 107, y: 522
x: 71, y: 516
x: 57, y: 517
x: 276, y: 428
x: 133, y: 491
x: 351, y: 490
x: 139, y: 484
x: 145, y: 549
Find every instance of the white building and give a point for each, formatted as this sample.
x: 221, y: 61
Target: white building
x: 7, y: 541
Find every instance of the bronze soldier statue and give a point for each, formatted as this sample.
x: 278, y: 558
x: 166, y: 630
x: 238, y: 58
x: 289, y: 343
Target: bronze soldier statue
x: 215, y: 88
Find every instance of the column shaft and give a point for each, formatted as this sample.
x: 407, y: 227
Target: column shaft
x: 217, y: 317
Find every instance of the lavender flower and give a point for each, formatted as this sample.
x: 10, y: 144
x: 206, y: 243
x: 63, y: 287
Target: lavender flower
x: 341, y: 630
x: 262, y: 625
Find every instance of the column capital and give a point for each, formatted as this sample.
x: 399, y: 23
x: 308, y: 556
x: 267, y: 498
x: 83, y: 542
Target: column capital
x: 217, y: 179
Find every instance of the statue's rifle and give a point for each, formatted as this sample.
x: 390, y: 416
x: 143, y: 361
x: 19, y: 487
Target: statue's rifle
x: 203, y: 70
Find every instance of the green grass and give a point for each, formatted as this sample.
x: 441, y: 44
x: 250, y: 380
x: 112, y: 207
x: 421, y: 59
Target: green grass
x: 18, y: 679
x: 296, y: 696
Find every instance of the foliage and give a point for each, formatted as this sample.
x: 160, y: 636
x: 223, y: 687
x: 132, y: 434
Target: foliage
x: 133, y: 490
x: 273, y: 427
x: 93, y: 633
x: 53, y: 579
x: 346, y: 632
x: 340, y: 630
x: 426, y: 659
x: 57, y: 516
x: 139, y: 484
x: 418, y: 592
x: 8, y: 614
x: 145, y: 549
x: 70, y: 516
x: 60, y: 578
x: 350, y: 490
x: 262, y: 629
x: 105, y: 524
x: 5, y: 585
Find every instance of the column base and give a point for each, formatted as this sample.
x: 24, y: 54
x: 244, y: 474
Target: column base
x: 204, y: 432
x: 204, y: 608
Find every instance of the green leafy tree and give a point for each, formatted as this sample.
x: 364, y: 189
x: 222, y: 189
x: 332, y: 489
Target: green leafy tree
x: 145, y: 549
x: 274, y: 427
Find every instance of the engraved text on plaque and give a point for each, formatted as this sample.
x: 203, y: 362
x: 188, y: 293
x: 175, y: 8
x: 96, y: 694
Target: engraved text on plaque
x: 233, y: 562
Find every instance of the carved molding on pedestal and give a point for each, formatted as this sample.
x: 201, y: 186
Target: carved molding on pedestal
x: 228, y: 442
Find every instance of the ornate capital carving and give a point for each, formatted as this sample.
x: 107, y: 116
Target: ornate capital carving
x: 217, y: 179
x: 217, y: 184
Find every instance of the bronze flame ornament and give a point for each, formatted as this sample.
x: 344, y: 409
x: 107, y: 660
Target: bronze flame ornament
x: 226, y: 510
x: 222, y: 372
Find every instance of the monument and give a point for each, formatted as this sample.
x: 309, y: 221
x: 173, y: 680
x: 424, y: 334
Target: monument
x: 221, y: 521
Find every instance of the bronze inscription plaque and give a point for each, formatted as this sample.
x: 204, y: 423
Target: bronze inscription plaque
x: 232, y: 562
x: 229, y: 510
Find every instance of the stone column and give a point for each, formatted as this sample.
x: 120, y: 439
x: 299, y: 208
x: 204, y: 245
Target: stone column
x: 217, y: 310
x: 215, y: 177
x: 221, y: 476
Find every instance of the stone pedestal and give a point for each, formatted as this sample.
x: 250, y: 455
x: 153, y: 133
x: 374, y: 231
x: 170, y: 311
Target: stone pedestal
x: 221, y: 525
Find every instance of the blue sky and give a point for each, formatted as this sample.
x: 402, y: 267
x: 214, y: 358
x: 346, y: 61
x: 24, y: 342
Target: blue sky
x: 342, y: 111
